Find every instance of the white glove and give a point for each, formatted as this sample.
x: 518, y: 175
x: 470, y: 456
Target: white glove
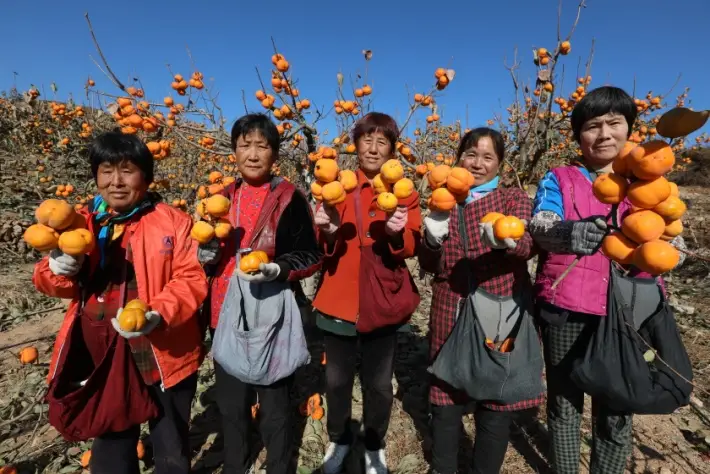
x: 208, y: 254
x: 64, y: 265
x: 327, y: 219
x: 436, y: 227
x: 490, y: 240
x: 152, y: 319
x: 267, y: 272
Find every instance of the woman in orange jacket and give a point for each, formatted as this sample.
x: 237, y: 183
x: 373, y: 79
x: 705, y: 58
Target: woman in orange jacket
x: 343, y: 303
x: 143, y: 251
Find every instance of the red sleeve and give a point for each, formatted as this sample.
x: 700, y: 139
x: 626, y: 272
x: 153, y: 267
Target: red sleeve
x: 412, y: 232
x: 52, y: 285
x: 520, y: 205
x: 181, y: 297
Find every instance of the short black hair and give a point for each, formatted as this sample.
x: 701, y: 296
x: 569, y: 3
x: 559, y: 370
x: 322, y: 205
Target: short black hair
x: 260, y: 123
x: 377, y: 122
x: 116, y: 147
x: 601, y: 101
x: 471, y: 138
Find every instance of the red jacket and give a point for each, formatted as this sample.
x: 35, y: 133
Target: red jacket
x: 339, y: 293
x: 170, y: 280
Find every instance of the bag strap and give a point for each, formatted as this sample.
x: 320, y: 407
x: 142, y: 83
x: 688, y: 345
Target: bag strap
x: 358, y: 213
x: 465, y: 241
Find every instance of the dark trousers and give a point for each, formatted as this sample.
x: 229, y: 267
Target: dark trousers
x: 376, y: 369
x: 491, y: 443
x: 115, y: 453
x: 235, y: 399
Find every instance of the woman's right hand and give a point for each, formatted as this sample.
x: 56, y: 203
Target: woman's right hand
x: 436, y: 227
x: 327, y: 219
x: 587, y: 235
x: 64, y: 265
x: 208, y: 254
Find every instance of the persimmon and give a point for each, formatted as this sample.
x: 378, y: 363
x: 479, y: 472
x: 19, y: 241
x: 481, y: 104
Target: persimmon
x: 422, y: 169
x: 215, y: 176
x: 317, y: 190
x: 459, y: 180
x: 442, y: 200
x: 76, y: 242
x: 41, y: 237
x: 333, y: 193
x: 438, y: 176
x: 656, y: 257
x: 671, y: 209
x: 610, y: 188
x: 619, y: 248
x: 403, y: 188
x: 651, y: 159
x: 508, y: 227
x: 222, y: 228
x: 491, y: 217
x: 132, y: 319
x: 380, y: 185
x: 202, y: 232
x: 387, y: 202
x: 137, y: 304
x: 392, y: 171
x: 255, y: 411
x: 326, y: 170
x: 140, y: 449
x: 348, y: 179
x: 318, y: 413
x: 261, y: 255
x: 648, y: 194
x: 28, y: 355
x: 643, y: 226
x: 218, y: 205
x: 672, y: 230
x: 674, y: 189
x: 565, y: 47
x: 249, y: 263
x: 55, y: 213
x: 85, y: 459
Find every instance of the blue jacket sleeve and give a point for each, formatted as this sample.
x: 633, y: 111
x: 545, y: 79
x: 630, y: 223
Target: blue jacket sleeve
x: 549, y: 196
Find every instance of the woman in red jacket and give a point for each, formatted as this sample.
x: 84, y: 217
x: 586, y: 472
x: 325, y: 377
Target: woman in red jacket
x: 339, y: 301
x: 143, y: 252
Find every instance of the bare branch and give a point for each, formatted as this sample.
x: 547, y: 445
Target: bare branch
x: 110, y: 74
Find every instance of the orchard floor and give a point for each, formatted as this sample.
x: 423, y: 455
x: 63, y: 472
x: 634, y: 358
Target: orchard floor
x: 678, y: 443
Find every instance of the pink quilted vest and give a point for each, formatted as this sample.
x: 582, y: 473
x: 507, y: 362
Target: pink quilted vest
x: 584, y: 289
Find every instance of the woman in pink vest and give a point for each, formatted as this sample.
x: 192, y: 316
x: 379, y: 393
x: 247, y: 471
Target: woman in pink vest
x: 569, y: 222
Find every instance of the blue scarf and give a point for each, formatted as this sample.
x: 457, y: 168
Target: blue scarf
x: 111, y: 223
x: 478, y: 192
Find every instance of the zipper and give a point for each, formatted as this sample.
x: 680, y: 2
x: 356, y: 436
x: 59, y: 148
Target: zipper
x: 160, y: 371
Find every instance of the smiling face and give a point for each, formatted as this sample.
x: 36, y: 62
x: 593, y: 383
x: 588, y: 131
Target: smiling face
x: 121, y: 185
x: 373, y: 149
x: 602, y: 138
x: 481, y: 160
x: 254, y: 157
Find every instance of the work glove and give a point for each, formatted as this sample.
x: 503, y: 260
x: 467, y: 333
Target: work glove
x: 64, y: 265
x: 152, y: 319
x: 209, y: 253
x: 587, y: 235
x: 327, y: 219
x: 489, y: 239
x: 267, y: 272
x: 436, y: 227
x: 397, y: 221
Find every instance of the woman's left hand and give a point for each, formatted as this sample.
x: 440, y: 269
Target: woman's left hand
x: 489, y: 239
x: 267, y: 272
x: 397, y: 221
x: 152, y: 319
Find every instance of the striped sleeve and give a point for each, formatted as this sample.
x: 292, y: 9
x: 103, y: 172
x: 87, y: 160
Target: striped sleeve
x: 549, y: 196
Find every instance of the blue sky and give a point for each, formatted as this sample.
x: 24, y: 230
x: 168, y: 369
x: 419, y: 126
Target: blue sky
x: 651, y: 40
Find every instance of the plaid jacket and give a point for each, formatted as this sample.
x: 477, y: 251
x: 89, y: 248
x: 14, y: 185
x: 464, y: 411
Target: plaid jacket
x: 501, y: 272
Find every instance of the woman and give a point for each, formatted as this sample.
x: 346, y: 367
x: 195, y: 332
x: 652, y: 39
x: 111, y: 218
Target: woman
x: 144, y: 252
x: 569, y: 221
x: 499, y: 268
x: 267, y: 213
x: 346, y: 237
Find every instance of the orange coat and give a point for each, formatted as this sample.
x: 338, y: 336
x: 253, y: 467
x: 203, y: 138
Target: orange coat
x: 170, y: 280
x: 338, y: 295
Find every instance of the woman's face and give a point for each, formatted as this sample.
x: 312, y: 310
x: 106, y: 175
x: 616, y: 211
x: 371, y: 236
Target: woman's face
x: 602, y: 138
x: 482, y: 161
x: 372, y: 152
x: 122, y: 185
x: 254, y: 157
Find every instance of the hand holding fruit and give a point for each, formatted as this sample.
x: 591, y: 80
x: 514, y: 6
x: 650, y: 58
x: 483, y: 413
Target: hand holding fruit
x: 208, y: 254
x: 135, y: 320
x: 397, y: 221
x: 62, y: 264
x: 499, y: 231
x: 436, y: 227
x: 256, y: 268
x: 327, y: 219
x: 587, y: 235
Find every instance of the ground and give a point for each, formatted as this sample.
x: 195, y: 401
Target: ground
x: 677, y: 443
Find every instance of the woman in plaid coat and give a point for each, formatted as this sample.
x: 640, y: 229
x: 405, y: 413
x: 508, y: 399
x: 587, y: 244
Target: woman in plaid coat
x: 500, y: 268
